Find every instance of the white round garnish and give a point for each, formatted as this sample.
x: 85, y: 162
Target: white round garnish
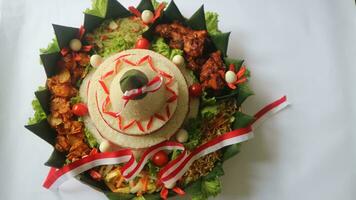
x: 104, y: 146
x: 178, y: 60
x: 147, y: 16
x: 113, y: 25
x: 75, y: 44
x: 182, y: 136
x: 230, y: 77
x: 96, y: 60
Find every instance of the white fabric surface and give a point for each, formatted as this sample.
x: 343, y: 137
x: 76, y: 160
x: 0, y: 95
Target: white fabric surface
x: 305, y: 49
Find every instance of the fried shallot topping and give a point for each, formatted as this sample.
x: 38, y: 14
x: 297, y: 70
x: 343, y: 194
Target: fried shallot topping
x: 70, y: 132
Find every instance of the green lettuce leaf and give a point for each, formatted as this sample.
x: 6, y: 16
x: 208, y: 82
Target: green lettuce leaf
x: 211, y: 187
x: 93, y: 143
x: 207, y: 186
x: 207, y: 101
x: 75, y: 100
x: 195, y: 136
x: 212, y: 21
x: 175, y: 153
x: 209, y: 112
x: 98, y: 8
x: 175, y: 52
x: 51, y: 48
x: 152, y: 169
x: 39, y: 113
x: 161, y: 47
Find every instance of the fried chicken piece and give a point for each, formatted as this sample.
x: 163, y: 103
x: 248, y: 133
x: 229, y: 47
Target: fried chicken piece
x: 194, y: 43
x: 59, y: 105
x: 212, y: 73
x: 62, y: 144
x: 181, y: 37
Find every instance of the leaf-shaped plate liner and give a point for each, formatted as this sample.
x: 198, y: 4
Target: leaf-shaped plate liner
x: 64, y: 34
x: 91, y: 22
x: 237, y: 62
x: 197, y: 20
x: 172, y: 13
x: 119, y: 196
x: 49, y: 62
x: 221, y: 42
x: 116, y: 10
x: 57, y: 159
x: 149, y: 34
x: 43, y: 130
x: 145, y: 5
x: 44, y: 97
x: 241, y: 120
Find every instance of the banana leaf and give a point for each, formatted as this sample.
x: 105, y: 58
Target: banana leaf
x: 91, y: 22
x: 43, y: 97
x: 145, y: 5
x: 44, y: 131
x: 116, y: 10
x: 57, y: 159
x: 49, y: 62
x: 221, y: 42
x: 197, y: 20
x: 64, y: 34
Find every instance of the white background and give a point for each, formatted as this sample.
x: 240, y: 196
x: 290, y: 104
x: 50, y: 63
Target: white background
x: 303, y: 48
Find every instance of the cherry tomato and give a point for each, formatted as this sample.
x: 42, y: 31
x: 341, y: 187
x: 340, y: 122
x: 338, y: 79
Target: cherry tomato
x: 195, y: 90
x: 142, y: 43
x: 80, y: 109
x: 160, y: 158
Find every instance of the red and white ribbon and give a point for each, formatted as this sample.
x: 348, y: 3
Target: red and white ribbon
x: 174, y: 170
x: 152, y: 86
x: 131, y: 170
x: 57, y: 177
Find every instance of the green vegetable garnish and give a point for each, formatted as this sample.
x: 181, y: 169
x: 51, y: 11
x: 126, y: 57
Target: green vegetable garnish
x: 209, y: 112
x: 195, y: 136
x: 90, y: 139
x: 51, y: 48
x: 161, y: 47
x: 212, y: 21
x: 75, y: 100
x: 98, y: 8
x: 108, y: 42
x: 39, y: 114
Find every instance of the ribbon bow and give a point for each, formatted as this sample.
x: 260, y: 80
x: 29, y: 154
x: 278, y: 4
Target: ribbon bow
x: 151, y: 86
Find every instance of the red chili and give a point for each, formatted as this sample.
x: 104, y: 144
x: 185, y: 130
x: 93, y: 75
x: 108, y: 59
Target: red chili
x: 93, y: 151
x: 164, y: 193
x: 178, y: 191
x: 95, y: 175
